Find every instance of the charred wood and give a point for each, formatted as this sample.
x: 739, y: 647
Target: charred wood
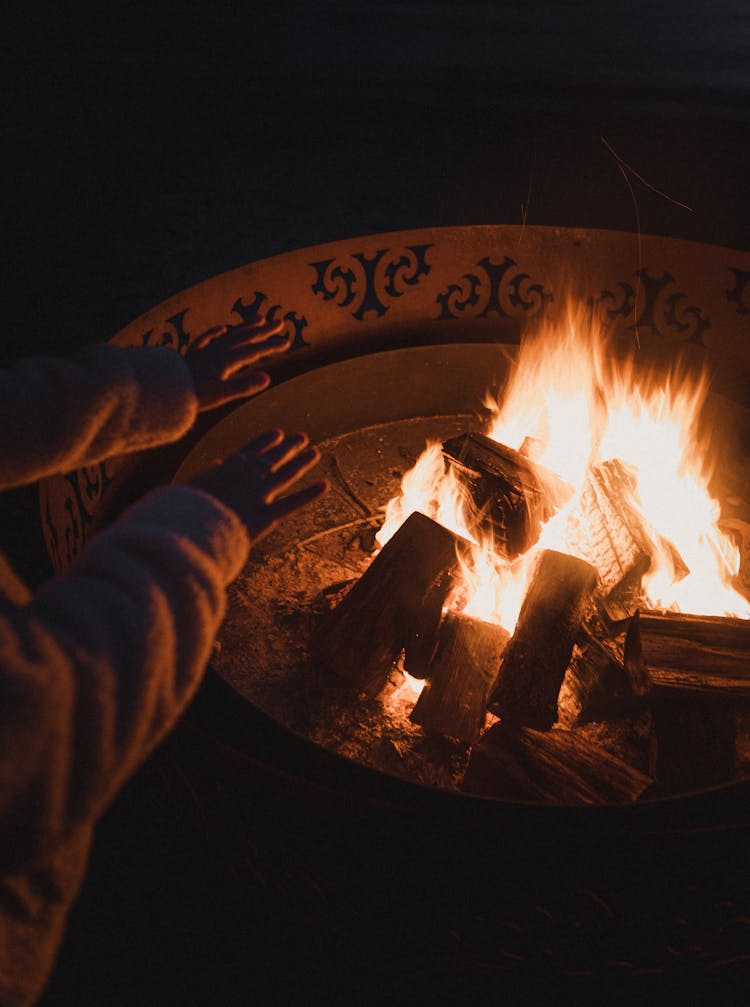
x: 555, y: 767
x: 684, y: 655
x: 597, y: 685
x: 512, y: 494
x: 639, y: 679
x: 392, y: 604
x: 422, y: 637
x: 538, y: 654
x: 333, y: 595
x: 460, y: 676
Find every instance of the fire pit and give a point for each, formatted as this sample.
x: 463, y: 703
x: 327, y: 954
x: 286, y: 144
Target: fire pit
x: 271, y: 648
x: 397, y: 340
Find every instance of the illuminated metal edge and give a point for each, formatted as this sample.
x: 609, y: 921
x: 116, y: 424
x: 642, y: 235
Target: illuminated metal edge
x: 437, y: 285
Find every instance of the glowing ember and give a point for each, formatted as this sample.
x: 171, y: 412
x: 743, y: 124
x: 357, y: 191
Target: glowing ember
x: 412, y: 686
x: 579, y: 405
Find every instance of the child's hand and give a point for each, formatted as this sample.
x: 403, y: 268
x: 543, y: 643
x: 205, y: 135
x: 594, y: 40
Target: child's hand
x: 253, y: 480
x: 220, y: 360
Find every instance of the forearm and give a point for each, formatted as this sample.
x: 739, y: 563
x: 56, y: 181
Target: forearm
x: 59, y: 414
x: 98, y: 668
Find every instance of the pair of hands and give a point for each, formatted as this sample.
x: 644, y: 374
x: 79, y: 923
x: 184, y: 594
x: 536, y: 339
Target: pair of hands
x: 254, y: 480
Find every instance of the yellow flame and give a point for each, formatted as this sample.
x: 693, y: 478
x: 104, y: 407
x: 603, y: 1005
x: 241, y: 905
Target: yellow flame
x: 414, y: 685
x: 427, y: 487
x: 552, y: 396
x: 494, y: 588
x: 433, y: 489
x: 583, y: 404
x: 655, y: 429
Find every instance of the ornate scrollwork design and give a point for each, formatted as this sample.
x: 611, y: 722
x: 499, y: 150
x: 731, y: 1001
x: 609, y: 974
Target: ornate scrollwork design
x: 62, y: 523
x: 369, y: 281
x: 493, y: 288
x: 652, y: 302
x: 92, y: 482
x: 69, y: 502
x: 174, y: 335
x: 78, y: 495
x: 296, y: 324
x: 740, y: 292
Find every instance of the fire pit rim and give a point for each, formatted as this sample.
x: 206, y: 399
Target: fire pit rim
x: 298, y: 286
x: 606, y: 815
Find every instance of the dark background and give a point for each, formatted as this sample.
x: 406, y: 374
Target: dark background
x: 149, y: 146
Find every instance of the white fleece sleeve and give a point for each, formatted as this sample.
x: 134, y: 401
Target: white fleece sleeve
x: 59, y: 414
x: 98, y: 667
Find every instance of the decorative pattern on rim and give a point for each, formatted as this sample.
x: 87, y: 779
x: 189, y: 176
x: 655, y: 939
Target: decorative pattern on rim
x: 477, y: 282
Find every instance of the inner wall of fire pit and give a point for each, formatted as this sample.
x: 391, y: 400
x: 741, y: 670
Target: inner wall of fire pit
x: 371, y: 417
x: 461, y: 299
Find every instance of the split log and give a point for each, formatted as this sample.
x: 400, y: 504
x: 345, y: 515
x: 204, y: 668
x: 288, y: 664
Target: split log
x: 697, y: 669
x: 693, y: 743
x: 608, y: 529
x: 460, y: 676
x: 556, y: 767
x: 513, y: 495
x: 684, y: 655
x: 538, y: 654
x: 597, y: 685
x: 422, y: 636
x: 391, y: 605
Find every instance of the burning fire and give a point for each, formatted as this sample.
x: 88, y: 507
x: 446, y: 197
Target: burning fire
x: 571, y: 404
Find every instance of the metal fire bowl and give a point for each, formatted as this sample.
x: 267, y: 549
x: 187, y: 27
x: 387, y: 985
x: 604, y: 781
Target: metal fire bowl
x: 386, y: 329
x: 394, y: 327
x: 430, y: 287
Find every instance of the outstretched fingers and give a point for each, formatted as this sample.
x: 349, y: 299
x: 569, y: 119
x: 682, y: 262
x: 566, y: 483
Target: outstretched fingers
x: 245, y: 354
x: 243, y: 385
x: 287, y: 505
x: 257, y: 447
x: 289, y: 472
x: 285, y: 450
x: 255, y: 330
x: 254, y: 481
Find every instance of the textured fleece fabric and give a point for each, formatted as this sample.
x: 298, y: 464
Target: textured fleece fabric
x: 98, y: 664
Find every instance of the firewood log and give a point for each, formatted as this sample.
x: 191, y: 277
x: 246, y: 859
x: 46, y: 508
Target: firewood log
x: 693, y: 743
x: 422, y: 637
x: 698, y: 669
x: 385, y: 610
x: 537, y: 656
x: 513, y: 495
x: 460, y: 675
x: 682, y: 655
x: 608, y: 529
x: 557, y: 767
x: 597, y: 685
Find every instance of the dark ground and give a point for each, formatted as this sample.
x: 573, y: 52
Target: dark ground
x: 148, y: 146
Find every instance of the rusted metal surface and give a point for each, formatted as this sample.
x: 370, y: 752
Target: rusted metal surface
x: 290, y: 581
x: 438, y: 285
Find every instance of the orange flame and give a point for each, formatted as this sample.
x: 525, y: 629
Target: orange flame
x: 581, y: 404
